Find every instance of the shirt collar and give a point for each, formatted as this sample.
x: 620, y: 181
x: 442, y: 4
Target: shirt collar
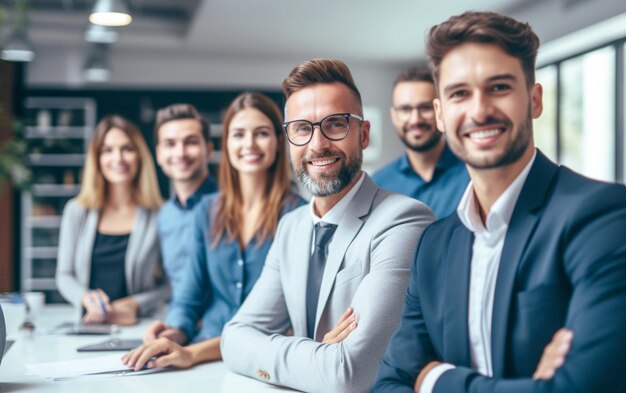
x: 206, y: 187
x: 446, y: 160
x: 333, y: 216
x: 500, y: 214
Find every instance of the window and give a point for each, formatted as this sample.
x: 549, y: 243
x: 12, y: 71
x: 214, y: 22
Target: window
x: 545, y: 127
x: 587, y: 105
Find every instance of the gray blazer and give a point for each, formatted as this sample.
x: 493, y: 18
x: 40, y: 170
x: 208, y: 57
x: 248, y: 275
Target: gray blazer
x: 145, y: 280
x: 367, y: 268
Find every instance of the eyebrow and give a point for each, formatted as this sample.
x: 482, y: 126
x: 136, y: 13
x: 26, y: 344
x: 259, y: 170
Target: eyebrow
x: 494, y: 78
x: 262, y: 127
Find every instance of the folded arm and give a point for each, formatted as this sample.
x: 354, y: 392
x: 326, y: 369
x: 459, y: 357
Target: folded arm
x: 254, y: 340
x: 594, y: 259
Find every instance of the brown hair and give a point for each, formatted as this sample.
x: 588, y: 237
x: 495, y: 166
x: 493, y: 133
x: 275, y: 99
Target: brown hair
x: 515, y: 38
x: 414, y: 74
x: 316, y: 71
x: 229, y: 217
x: 180, y: 112
x: 93, y: 188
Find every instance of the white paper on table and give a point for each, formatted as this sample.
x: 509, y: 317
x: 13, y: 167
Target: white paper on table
x: 102, y: 366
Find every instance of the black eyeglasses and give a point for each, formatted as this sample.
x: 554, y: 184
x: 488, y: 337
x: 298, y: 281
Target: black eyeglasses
x: 404, y: 111
x: 334, y: 127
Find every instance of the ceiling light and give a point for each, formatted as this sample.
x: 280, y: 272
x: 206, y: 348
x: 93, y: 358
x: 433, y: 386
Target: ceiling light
x: 97, y: 67
x: 18, y: 47
x: 110, y: 13
x: 101, y: 34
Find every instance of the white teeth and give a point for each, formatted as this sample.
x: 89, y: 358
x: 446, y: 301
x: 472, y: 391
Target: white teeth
x: 484, y: 134
x: 323, y: 162
x: 251, y: 156
x: 120, y: 170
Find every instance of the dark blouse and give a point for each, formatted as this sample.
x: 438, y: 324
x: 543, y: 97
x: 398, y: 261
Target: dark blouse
x: 107, y: 265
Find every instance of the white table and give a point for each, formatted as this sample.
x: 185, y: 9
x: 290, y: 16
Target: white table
x: 42, y: 347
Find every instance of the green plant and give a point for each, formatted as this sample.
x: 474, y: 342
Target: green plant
x: 14, y: 148
x: 12, y: 160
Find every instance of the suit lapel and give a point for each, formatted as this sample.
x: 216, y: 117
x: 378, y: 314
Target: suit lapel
x: 347, y: 230
x: 132, y: 249
x: 83, y: 256
x: 522, y: 225
x: 457, y: 273
x: 301, y: 236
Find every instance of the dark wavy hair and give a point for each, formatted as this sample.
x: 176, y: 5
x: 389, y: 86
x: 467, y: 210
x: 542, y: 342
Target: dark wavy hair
x: 515, y: 38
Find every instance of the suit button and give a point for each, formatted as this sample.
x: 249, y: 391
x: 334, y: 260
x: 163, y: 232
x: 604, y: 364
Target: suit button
x: 263, y: 374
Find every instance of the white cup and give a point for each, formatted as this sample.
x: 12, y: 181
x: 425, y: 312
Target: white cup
x: 36, y: 302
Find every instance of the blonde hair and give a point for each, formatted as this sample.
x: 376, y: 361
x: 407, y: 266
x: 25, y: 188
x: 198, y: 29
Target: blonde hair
x: 93, y: 188
x: 229, y: 217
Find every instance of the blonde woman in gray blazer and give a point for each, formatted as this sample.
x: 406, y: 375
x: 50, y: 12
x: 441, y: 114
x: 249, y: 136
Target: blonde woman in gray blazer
x: 109, y: 260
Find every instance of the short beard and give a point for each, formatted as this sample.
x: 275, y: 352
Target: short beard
x: 327, y: 186
x: 514, y: 152
x: 426, y: 146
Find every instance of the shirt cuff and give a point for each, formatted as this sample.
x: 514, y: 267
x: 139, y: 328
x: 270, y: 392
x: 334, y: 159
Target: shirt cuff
x: 177, y: 319
x: 428, y: 384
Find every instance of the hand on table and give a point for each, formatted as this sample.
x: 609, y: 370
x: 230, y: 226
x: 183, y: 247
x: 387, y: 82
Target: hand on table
x: 159, y: 329
x: 123, y: 311
x: 161, y: 352
x: 554, y: 354
x: 97, y: 306
x: 345, y: 325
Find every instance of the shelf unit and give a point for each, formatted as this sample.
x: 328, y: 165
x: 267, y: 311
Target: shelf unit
x: 57, y: 130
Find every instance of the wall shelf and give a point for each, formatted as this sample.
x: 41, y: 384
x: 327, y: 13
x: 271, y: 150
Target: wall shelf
x: 58, y: 131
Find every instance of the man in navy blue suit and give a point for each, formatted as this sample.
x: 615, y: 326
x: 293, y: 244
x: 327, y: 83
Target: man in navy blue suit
x: 524, y: 289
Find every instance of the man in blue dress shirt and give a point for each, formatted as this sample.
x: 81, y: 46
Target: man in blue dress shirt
x: 183, y: 150
x: 428, y: 171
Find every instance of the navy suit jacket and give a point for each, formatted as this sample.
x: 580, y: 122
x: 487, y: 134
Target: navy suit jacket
x: 563, y: 264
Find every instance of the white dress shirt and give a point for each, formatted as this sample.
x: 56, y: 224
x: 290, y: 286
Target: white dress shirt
x: 333, y: 216
x: 486, y: 253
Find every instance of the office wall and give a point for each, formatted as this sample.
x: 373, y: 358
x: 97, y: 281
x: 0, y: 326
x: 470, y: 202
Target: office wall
x: 57, y: 67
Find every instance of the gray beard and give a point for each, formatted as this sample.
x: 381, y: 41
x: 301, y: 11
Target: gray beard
x: 332, y: 185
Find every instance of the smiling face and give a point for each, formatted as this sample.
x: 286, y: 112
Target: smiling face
x: 118, y: 158
x: 486, y: 107
x: 417, y: 129
x: 323, y: 166
x: 182, y: 152
x: 252, y: 143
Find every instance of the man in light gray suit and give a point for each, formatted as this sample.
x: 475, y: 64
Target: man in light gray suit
x: 338, y: 269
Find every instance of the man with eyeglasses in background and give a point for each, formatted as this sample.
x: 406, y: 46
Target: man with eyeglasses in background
x: 337, y: 271
x: 428, y: 172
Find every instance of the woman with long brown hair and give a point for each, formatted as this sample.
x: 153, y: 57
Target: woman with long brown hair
x: 109, y: 259
x: 234, y: 229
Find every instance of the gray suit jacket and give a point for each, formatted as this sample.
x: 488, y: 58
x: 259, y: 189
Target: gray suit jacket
x: 145, y: 280
x: 367, y: 268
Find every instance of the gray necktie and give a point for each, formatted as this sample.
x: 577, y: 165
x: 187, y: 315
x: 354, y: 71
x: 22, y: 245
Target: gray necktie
x: 323, y: 234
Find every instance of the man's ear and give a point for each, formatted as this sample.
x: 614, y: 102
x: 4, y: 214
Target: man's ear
x: 365, y: 134
x: 536, y: 100
x: 209, y: 148
x: 438, y: 114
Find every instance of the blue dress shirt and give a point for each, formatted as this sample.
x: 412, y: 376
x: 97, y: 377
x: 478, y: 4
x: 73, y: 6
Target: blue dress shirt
x: 442, y: 194
x: 217, y: 278
x: 174, y: 228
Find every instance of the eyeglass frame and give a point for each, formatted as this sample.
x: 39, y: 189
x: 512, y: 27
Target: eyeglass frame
x: 347, y: 115
x: 420, y: 108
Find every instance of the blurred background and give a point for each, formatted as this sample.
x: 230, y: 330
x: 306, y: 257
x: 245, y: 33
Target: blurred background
x: 60, y: 74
